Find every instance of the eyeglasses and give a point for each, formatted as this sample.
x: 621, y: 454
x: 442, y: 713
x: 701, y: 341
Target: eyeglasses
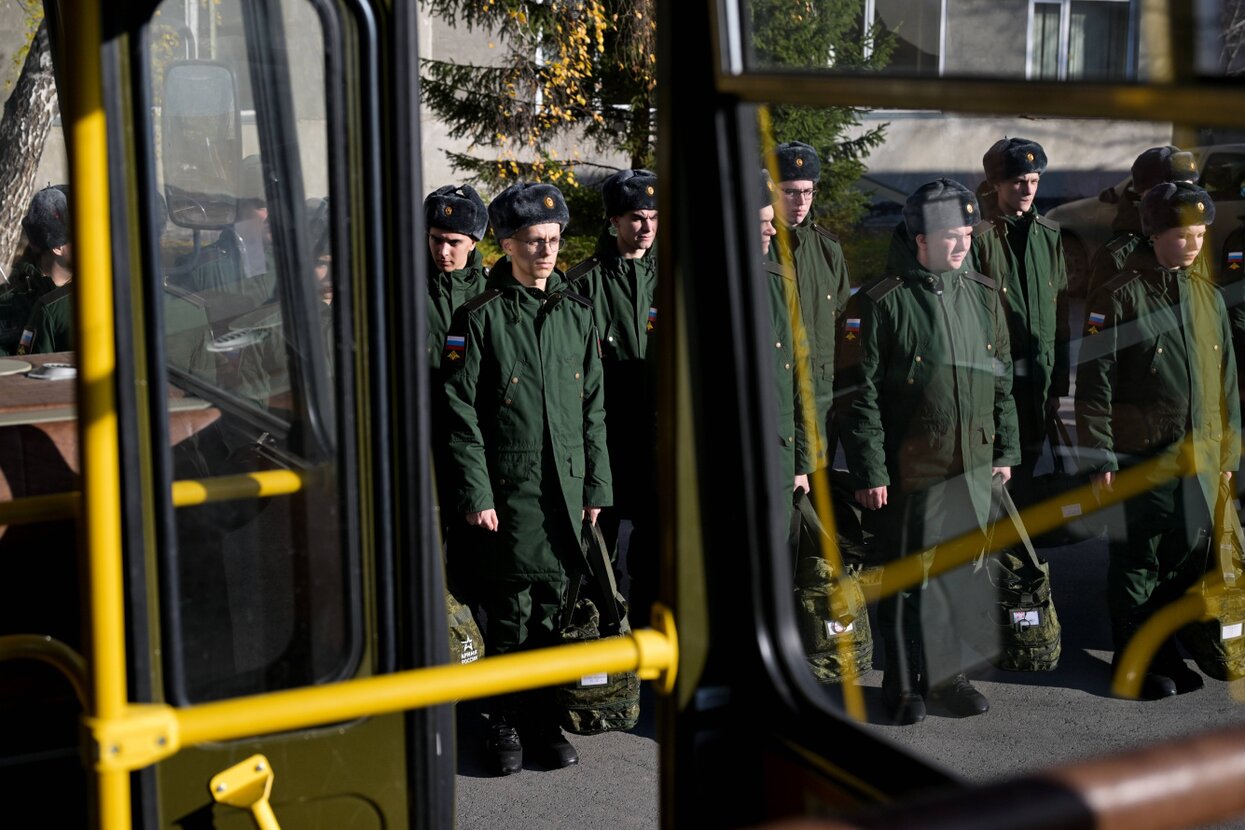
x: 792, y: 193
x: 535, y: 245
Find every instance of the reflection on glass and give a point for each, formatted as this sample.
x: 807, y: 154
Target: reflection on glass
x: 261, y: 596
x: 950, y: 326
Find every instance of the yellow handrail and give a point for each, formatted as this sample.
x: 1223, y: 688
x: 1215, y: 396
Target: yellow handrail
x: 147, y: 733
x: 186, y: 493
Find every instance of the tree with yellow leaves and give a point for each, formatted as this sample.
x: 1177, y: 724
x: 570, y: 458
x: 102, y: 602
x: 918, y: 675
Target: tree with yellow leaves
x: 571, y: 68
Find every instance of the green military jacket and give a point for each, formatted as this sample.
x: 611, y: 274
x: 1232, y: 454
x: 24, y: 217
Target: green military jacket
x: 1126, y: 229
x: 527, y: 421
x: 26, y: 285
x: 821, y: 273
x: 799, y: 430
x: 50, y: 327
x: 1024, y: 257
x: 1156, y: 367
x: 622, y: 293
x: 925, y: 380
x: 447, y: 291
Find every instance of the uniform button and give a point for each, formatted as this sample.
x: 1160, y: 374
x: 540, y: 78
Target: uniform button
x: 829, y: 297
x: 990, y: 346
x: 918, y: 358
x: 1154, y: 371
x: 501, y: 481
x: 778, y: 345
x: 910, y: 381
x: 1160, y: 349
x: 514, y: 380
x: 1005, y: 289
x: 790, y: 438
x: 508, y: 402
x: 1215, y: 347
x: 786, y: 365
x: 577, y: 376
x: 610, y: 338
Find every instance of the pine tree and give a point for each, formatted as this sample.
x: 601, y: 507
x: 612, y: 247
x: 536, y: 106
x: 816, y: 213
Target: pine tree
x: 821, y: 35
x: 571, y: 68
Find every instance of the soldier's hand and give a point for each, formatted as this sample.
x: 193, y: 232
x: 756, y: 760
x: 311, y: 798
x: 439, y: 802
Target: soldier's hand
x: 801, y: 482
x: 1104, y: 481
x: 591, y: 513
x: 872, y: 499
x: 486, y: 519
x: 1228, y: 476
x: 1004, y: 473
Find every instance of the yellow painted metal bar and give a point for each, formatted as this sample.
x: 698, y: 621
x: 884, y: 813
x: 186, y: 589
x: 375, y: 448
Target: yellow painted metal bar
x: 258, y: 485
x: 247, y: 785
x: 52, y: 652
x: 147, y: 733
x: 97, y: 421
x: 31, y: 509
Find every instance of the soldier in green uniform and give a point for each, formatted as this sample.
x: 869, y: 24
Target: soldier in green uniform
x: 527, y: 439
x: 1022, y: 252
x: 798, y: 458
x: 457, y: 219
x: 1157, y: 382
x: 620, y: 279
x: 927, y: 418
x: 1152, y: 167
x: 48, y: 263
x: 821, y: 270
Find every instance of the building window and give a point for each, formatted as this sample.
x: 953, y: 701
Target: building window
x: 1081, y: 40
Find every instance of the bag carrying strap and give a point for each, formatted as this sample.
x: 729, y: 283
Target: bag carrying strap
x: 1058, y: 435
x: 1228, y: 536
x: 1001, y: 502
x: 804, y: 516
x: 597, y: 560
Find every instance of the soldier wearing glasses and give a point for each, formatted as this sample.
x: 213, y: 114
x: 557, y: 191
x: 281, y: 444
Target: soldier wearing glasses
x: 820, y: 270
x: 527, y: 442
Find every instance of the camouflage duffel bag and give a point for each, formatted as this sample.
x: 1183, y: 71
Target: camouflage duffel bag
x: 1217, y: 645
x: 830, y: 607
x: 601, y: 702
x: 466, y: 644
x: 1030, y: 637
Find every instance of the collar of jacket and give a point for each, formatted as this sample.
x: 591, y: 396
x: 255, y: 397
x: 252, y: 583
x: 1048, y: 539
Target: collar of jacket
x: 444, y: 280
x: 612, y: 259
x: 901, y: 261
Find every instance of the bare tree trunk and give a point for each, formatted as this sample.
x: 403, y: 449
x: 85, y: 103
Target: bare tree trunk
x: 23, y: 132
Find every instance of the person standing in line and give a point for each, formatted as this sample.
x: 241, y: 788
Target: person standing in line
x: 526, y: 436
x: 927, y: 420
x: 1153, y: 167
x: 820, y: 273
x: 1158, y: 383
x: 620, y: 279
x: 1021, y: 251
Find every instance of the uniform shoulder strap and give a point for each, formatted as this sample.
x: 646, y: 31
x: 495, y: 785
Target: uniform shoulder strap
x: 827, y: 234
x: 880, y: 287
x: 576, y: 297
x: 480, y: 300
x: 1117, y: 244
x: 1120, y: 280
x: 582, y: 268
x: 981, y: 278
x: 1047, y: 223
x: 982, y: 228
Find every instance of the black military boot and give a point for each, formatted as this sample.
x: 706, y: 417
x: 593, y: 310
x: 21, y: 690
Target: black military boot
x: 1169, y: 663
x: 547, y: 746
x: 1155, y: 684
x: 959, y: 697
x: 505, y: 751
x: 900, y: 678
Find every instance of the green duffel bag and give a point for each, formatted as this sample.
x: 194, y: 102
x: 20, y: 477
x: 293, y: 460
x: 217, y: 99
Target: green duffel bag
x: 466, y: 643
x: 602, y: 702
x: 1217, y: 645
x: 830, y: 608
x: 1030, y: 637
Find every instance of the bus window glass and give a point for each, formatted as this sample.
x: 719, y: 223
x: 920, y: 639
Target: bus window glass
x: 991, y: 295
x: 1066, y: 40
x: 260, y: 591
